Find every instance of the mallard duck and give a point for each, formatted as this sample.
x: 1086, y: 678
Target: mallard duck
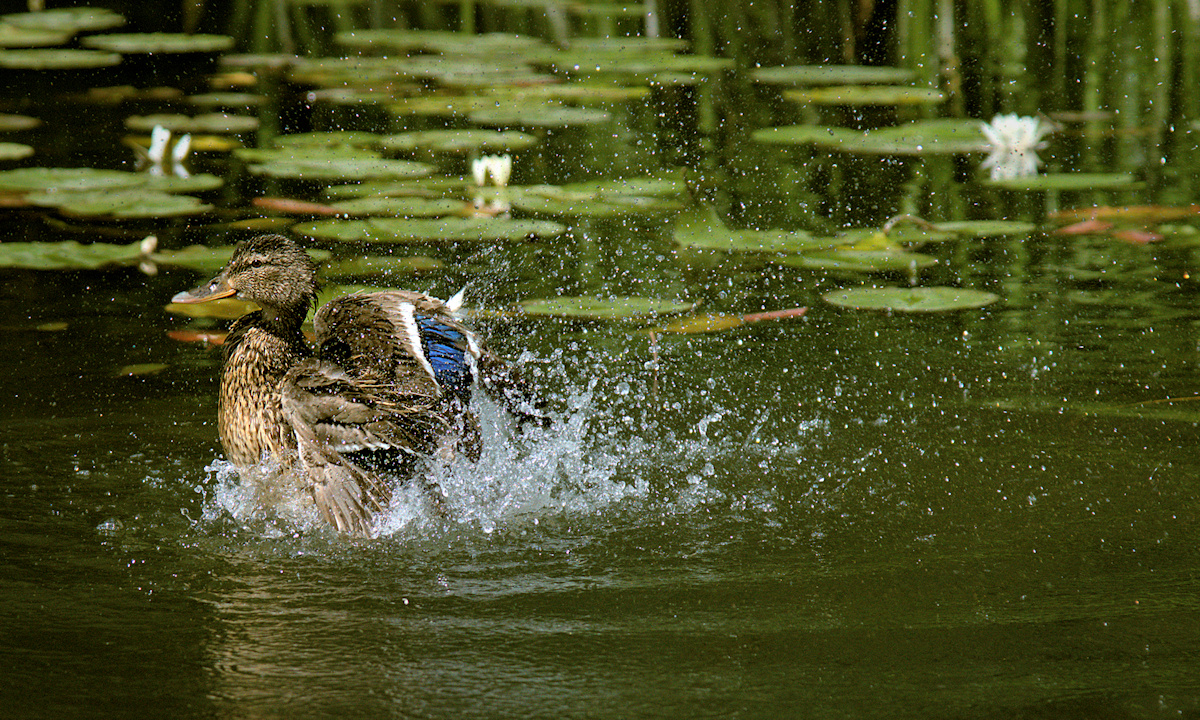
x: 386, y: 389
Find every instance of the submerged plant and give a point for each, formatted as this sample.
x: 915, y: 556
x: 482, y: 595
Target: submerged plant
x: 1014, y: 141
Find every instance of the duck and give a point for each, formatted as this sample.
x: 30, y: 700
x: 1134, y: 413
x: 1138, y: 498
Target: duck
x: 384, y: 390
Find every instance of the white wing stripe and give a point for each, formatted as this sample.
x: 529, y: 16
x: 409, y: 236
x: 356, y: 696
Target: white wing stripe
x: 408, y: 313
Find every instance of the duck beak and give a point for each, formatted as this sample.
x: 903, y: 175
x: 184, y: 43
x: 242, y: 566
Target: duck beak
x: 218, y: 288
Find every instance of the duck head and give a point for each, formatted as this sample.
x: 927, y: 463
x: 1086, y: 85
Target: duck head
x: 271, y: 271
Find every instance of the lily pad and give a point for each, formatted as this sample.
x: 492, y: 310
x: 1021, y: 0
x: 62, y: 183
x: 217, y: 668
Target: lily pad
x: 599, y: 308
x: 131, y: 203
x: 921, y: 299
x: 342, y: 169
x: 68, y: 255
x: 12, y: 36
x: 226, y: 100
x: 628, y: 44
x: 229, y: 308
x: 427, y: 187
x: 14, y: 123
x: 441, y: 105
x: 353, y: 138
x: 288, y: 154
x: 575, y: 93
x: 72, y: 20
x: 435, y: 41
x: 165, y: 43
x: 1067, y: 181
x: 645, y: 68
x: 141, y: 369
x: 214, y: 123
x: 402, y: 206
x: 457, y: 141
x: 561, y: 201
x: 538, y: 115
x: 832, y: 75
x: 861, y: 260
x: 987, y: 228
x: 14, y: 151
x: 57, y: 59
x: 702, y: 229
x: 376, y: 265
x: 945, y: 136
x: 176, y: 184
x: 451, y: 229
x: 866, y: 95
x: 67, y: 179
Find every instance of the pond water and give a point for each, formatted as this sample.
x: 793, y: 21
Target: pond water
x: 987, y: 513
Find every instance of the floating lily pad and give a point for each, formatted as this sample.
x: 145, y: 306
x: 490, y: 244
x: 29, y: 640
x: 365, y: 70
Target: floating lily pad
x: 576, y: 93
x: 697, y: 324
x: 215, y: 123
x: 628, y: 44
x: 68, y: 255
x: 832, y: 75
x: 921, y: 299
x: 14, y: 123
x: 288, y: 154
x: 457, y: 141
x: 562, y: 201
x: 12, y: 36
x: 861, y: 260
x: 71, y: 20
x: 866, y: 95
x: 375, y: 265
x: 130, y: 203
x: 427, y: 187
x: 717, y: 322
x: 702, y: 229
x: 923, y: 137
x: 229, y: 308
x: 598, y: 308
x: 402, y: 206
x: 353, y: 138
x: 641, y: 186
x: 166, y: 43
x: 67, y: 179
x: 177, y: 184
x: 400, y: 230
x: 141, y: 369
x: 340, y: 169
x: 987, y: 228
x: 643, y: 67
x: 441, y: 105
x: 14, y: 151
x: 226, y: 100
x: 1067, y: 181
x: 539, y: 115
x: 57, y: 59
x: 436, y: 41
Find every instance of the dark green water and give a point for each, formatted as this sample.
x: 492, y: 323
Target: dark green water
x: 852, y: 515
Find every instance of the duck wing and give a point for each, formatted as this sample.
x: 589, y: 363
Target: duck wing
x: 388, y: 390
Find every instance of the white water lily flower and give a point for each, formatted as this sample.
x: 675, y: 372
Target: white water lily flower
x: 1014, y: 142
x: 479, y: 169
x: 159, y: 137
x: 154, y: 159
x: 498, y: 167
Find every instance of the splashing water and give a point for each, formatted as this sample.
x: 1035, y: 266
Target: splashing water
x: 524, y: 474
